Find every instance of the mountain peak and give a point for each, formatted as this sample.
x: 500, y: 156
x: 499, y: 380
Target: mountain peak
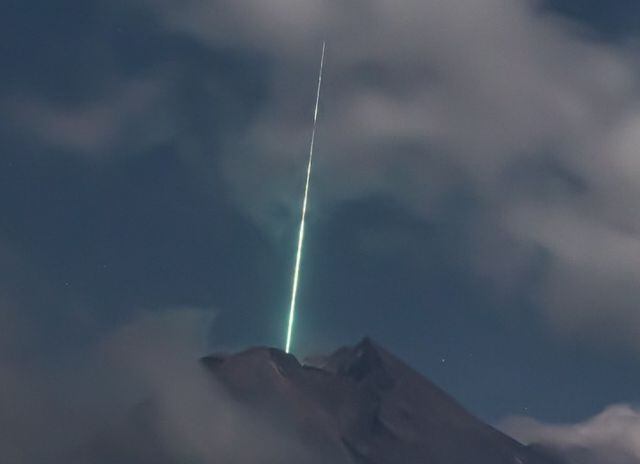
x: 365, y: 406
x: 362, y: 363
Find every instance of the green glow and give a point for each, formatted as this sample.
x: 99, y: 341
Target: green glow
x: 296, y: 271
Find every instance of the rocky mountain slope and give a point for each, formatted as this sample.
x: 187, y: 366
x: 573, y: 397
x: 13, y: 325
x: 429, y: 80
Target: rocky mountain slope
x: 362, y: 405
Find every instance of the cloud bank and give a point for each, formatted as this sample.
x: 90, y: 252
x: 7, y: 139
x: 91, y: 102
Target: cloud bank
x: 611, y: 437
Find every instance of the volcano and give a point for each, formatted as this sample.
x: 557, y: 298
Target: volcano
x: 363, y: 405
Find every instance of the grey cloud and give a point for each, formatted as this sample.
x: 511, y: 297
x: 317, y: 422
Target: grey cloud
x: 140, y: 395
x: 611, y: 437
x: 195, y: 418
x: 423, y: 97
x: 591, y: 284
x: 98, y: 127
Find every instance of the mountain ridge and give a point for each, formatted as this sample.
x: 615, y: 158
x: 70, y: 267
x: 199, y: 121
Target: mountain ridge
x: 363, y: 405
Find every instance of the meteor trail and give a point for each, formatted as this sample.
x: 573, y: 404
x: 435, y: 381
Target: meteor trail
x: 296, y: 271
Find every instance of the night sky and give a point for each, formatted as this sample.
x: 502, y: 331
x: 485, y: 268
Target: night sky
x: 474, y: 209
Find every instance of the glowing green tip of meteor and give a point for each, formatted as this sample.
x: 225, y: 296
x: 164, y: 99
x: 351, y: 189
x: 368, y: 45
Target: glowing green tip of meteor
x: 296, y: 271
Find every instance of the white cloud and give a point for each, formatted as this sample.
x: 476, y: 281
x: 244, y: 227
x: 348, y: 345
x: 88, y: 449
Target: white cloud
x: 611, y: 437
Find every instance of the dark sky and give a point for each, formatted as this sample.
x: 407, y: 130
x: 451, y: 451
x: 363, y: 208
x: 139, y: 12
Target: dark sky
x: 474, y: 207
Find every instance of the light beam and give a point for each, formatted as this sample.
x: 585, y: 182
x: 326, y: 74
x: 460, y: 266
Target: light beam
x: 296, y: 271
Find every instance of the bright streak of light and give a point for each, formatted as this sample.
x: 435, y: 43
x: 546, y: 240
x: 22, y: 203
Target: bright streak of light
x: 296, y: 271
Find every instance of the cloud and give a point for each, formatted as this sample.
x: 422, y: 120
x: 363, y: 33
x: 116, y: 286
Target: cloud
x: 503, y: 103
x: 138, y: 395
x: 96, y: 127
x: 194, y: 417
x: 521, y: 109
x: 611, y: 437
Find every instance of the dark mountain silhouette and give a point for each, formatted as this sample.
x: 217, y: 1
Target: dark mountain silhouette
x: 362, y: 405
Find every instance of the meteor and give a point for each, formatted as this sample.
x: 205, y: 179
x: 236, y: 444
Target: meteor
x: 296, y: 270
